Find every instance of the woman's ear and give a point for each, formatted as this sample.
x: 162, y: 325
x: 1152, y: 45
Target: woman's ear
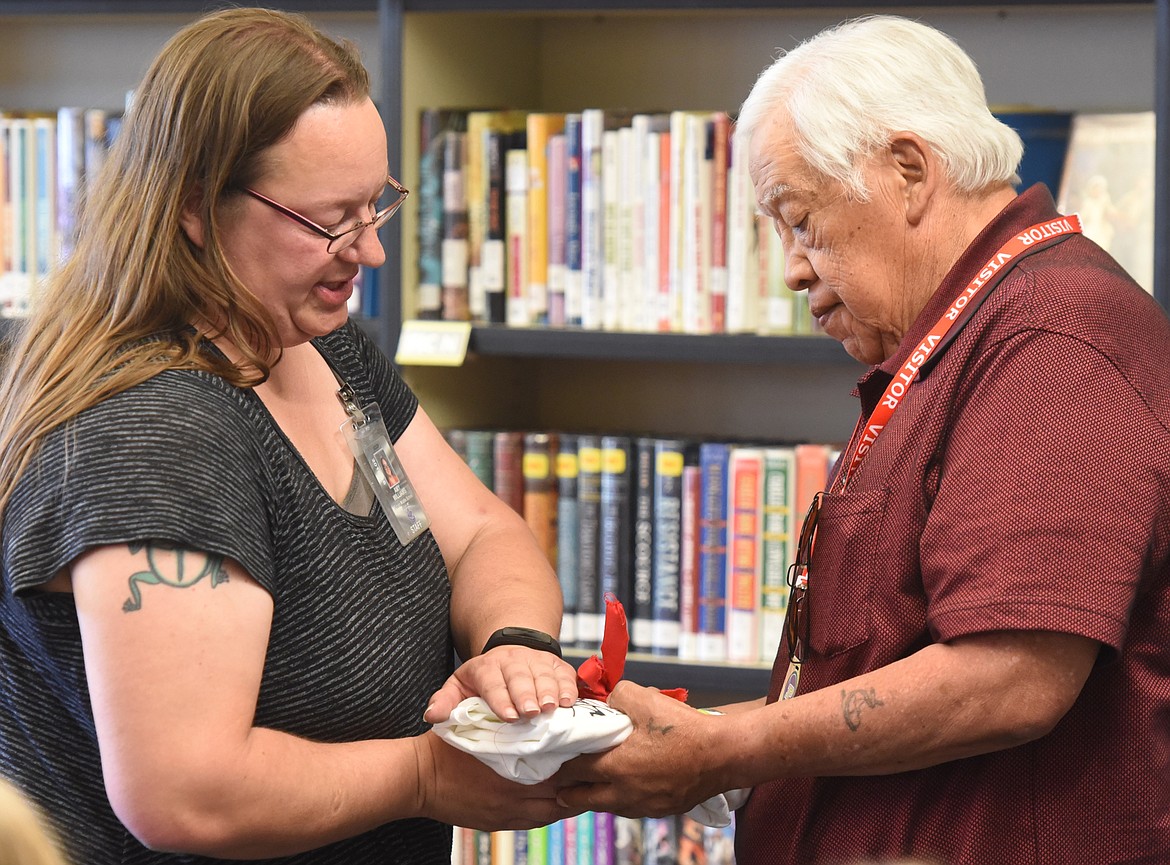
x: 191, y: 218
x: 919, y: 172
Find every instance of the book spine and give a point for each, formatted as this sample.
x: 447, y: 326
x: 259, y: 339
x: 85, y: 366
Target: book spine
x: 720, y: 165
x: 592, y: 239
x: 567, y: 540
x: 16, y: 282
x: 713, y: 460
x: 628, y: 841
x: 744, y: 507
x: 778, y: 544
x: 557, y: 843
x: 537, y: 846
x: 632, y: 251
x: 516, y: 178
x: 603, y: 838
x: 70, y: 175
x: 507, y: 475
x: 585, y: 838
x: 541, y: 127
x: 454, y: 246
x: 665, y: 230
x: 812, y: 473
x: 43, y: 253
x: 617, y: 525
x: 590, y: 612
x: 557, y: 168
x: 433, y: 122
x: 661, y: 841
x: 669, y: 462
x: 574, y: 279
x: 611, y: 230
x: 492, y: 266
x: 520, y: 855
x: 503, y: 847
x: 540, y: 491
x: 742, y: 255
x: 688, y: 573
x: 641, y: 612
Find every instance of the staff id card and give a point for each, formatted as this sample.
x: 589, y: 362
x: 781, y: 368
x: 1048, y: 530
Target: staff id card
x: 365, y: 433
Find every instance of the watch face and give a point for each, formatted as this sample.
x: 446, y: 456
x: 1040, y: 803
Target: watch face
x: 528, y: 637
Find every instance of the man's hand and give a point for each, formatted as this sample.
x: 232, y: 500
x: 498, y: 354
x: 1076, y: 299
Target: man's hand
x: 661, y: 769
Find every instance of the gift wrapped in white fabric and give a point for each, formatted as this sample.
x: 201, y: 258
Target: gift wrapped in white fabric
x: 531, y: 750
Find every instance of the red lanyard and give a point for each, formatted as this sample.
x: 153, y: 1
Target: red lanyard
x: 897, y: 388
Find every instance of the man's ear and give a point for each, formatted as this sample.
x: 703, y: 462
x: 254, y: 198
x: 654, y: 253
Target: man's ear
x: 191, y: 217
x: 918, y: 168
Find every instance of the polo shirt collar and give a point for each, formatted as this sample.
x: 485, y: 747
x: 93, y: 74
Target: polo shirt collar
x: 1029, y: 207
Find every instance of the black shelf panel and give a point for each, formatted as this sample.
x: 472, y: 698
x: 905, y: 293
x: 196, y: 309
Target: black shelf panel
x: 501, y: 341
x: 656, y: 672
x: 588, y: 6
x: 157, y: 7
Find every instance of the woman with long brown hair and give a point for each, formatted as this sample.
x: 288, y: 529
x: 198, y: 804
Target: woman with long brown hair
x: 222, y: 620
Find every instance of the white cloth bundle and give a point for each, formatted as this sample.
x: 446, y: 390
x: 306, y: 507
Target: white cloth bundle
x: 531, y: 750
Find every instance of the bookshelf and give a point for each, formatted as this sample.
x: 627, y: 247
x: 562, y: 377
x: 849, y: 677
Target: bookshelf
x: 571, y: 54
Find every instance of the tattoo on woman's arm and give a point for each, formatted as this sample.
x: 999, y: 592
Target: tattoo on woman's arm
x: 852, y: 703
x: 180, y: 569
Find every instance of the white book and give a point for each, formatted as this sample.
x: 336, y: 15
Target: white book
x: 611, y: 230
x: 516, y: 184
x: 743, y: 304
x: 592, y: 246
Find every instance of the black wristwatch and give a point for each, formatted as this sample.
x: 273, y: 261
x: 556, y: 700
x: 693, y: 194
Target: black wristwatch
x: 516, y: 636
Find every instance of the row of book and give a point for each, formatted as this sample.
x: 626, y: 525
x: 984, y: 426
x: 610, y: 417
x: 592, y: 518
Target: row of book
x: 604, y: 220
x: 45, y: 160
x: 599, y: 839
x: 617, y: 220
x: 693, y: 537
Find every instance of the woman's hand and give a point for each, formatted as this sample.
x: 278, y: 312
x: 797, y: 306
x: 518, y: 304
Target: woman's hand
x: 515, y: 681
x: 456, y: 788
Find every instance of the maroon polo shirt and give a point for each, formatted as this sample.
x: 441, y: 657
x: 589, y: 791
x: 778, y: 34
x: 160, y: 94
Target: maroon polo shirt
x: 1023, y: 484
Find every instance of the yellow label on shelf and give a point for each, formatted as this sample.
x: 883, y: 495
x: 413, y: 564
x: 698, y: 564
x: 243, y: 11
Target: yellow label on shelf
x: 433, y: 343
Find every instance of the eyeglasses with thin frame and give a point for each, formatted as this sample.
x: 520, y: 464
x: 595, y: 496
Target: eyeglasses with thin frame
x: 796, y: 617
x: 343, y: 239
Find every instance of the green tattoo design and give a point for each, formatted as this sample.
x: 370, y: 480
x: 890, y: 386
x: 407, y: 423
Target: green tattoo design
x: 852, y: 703
x: 175, y: 574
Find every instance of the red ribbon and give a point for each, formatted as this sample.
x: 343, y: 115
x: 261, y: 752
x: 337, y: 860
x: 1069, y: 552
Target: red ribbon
x: 597, y: 676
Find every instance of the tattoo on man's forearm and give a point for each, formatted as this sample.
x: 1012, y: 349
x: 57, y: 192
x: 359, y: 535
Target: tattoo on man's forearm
x: 852, y: 703
x: 651, y: 727
x: 174, y: 572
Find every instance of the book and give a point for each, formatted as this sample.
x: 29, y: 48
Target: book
x: 503, y: 846
x: 661, y: 840
x: 1109, y: 181
x: 453, y: 247
x: 617, y: 526
x: 516, y: 180
x: 604, y: 840
x: 812, y: 472
x: 688, y: 569
x: 70, y: 175
x: 542, y: 126
x: 476, y: 448
x: 595, y: 122
x: 433, y: 124
x: 694, y: 208
x: 585, y: 838
x: 692, y: 846
x: 668, y: 540
x: 16, y: 281
x: 507, y: 468
x: 510, y: 124
x: 641, y: 611
x: 613, y: 236
x: 712, y: 599
x: 44, y: 189
x: 645, y: 179
x: 567, y: 540
x: 744, y: 541
x: 556, y: 843
x: 491, y: 273
x: 574, y: 279
x: 628, y: 843
x: 540, y: 490
x: 720, y: 148
x: 743, y: 259
x: 557, y: 179
x: 776, y: 304
x: 590, y: 610
x: 778, y: 542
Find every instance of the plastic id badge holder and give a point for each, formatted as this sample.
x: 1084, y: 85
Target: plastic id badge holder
x: 366, y: 435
